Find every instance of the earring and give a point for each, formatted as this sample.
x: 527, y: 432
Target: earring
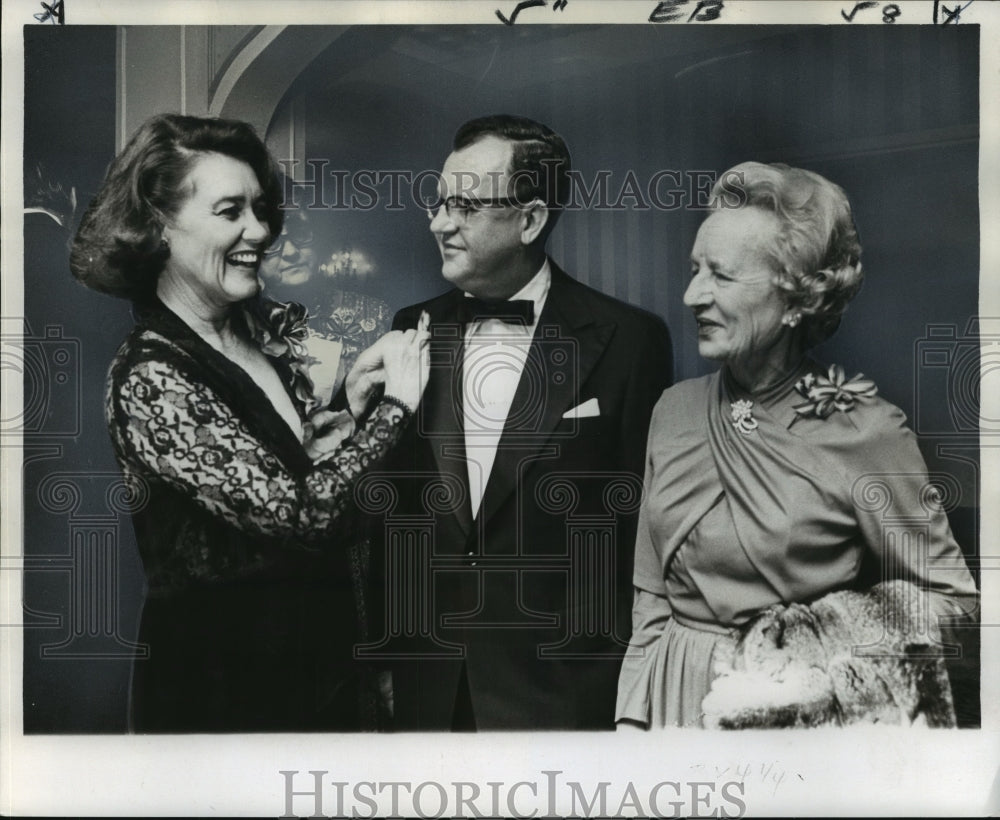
x: 793, y: 320
x: 164, y: 244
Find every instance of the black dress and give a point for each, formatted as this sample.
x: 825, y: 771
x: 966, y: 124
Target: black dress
x: 251, y: 608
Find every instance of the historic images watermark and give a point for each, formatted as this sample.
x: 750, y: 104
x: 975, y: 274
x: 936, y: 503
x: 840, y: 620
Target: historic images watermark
x: 318, y: 186
x: 548, y: 795
x: 88, y: 507
x: 956, y: 363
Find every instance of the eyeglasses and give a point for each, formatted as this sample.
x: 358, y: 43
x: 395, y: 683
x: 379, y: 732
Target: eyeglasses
x: 297, y: 232
x: 459, y: 208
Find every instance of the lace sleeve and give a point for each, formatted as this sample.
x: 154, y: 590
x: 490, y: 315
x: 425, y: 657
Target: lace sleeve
x: 178, y: 431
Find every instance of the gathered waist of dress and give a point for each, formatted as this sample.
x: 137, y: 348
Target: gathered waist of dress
x: 705, y: 626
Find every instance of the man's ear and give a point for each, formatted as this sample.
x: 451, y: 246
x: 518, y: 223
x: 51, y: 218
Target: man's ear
x: 534, y: 219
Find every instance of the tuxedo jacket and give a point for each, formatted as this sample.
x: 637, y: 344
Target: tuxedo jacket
x: 523, y: 611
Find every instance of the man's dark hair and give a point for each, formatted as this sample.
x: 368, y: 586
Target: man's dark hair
x: 540, y: 160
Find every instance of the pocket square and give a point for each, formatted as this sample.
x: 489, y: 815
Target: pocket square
x: 586, y: 410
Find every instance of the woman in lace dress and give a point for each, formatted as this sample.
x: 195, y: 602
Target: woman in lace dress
x: 770, y: 481
x: 241, y: 488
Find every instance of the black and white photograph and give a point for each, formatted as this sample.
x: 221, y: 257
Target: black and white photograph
x: 547, y: 408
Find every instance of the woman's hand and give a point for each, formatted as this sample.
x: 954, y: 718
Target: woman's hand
x: 325, y: 431
x: 407, y: 364
x: 364, y: 378
x: 397, y: 360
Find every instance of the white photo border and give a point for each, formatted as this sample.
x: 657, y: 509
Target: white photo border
x: 821, y: 772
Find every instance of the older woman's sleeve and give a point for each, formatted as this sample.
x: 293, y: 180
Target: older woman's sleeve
x: 650, y: 613
x: 178, y: 431
x: 901, y: 515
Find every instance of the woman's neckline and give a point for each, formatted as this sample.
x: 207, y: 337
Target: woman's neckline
x: 773, y: 392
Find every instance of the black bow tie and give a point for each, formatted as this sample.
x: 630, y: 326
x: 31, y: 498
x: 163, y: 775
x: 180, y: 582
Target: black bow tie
x: 514, y: 311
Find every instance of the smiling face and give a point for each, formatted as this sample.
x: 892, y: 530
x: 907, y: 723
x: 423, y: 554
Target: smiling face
x: 218, y: 235
x: 480, y: 255
x: 738, y: 308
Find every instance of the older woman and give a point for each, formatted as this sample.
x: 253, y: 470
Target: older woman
x: 753, y: 473
x: 240, y: 489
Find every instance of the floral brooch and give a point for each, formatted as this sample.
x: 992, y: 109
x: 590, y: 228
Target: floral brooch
x: 824, y: 394
x: 742, y: 417
x: 281, y: 330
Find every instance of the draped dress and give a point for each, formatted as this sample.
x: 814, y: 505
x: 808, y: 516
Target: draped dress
x: 735, y: 520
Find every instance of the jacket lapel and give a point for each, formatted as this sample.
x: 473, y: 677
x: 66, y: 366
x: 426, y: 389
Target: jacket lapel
x: 568, y: 342
x: 441, y: 424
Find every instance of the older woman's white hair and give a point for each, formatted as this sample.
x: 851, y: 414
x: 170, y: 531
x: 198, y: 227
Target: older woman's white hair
x: 816, y: 253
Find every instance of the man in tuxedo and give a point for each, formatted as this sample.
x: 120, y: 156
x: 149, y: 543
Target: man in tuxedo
x: 510, y: 538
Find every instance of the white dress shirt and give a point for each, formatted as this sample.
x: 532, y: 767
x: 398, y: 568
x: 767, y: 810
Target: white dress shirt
x: 494, y: 357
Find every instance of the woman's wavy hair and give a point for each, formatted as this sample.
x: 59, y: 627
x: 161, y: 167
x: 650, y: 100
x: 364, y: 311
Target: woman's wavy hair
x: 118, y: 248
x: 816, y: 252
